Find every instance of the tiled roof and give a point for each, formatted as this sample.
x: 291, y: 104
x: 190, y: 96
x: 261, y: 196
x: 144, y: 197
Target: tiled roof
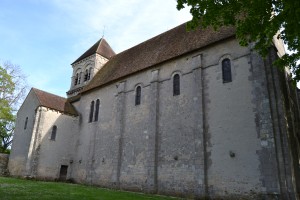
x: 163, y: 47
x: 101, y: 47
x: 54, y: 102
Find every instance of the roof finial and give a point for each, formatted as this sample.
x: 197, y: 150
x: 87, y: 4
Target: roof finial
x: 103, y: 32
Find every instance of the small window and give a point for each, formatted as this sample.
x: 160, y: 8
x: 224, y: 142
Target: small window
x: 176, y: 85
x: 86, y: 75
x: 91, y: 111
x: 76, y: 79
x: 79, y: 77
x: 53, y: 133
x: 89, y: 74
x: 226, y: 71
x: 138, y: 94
x: 97, y: 110
x: 26, y: 121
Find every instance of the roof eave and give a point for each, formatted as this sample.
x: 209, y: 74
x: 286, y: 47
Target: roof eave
x: 155, y: 65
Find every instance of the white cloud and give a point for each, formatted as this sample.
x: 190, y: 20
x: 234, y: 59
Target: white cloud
x: 126, y: 23
x: 55, y: 33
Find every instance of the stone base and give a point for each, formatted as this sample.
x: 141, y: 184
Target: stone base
x: 3, y: 164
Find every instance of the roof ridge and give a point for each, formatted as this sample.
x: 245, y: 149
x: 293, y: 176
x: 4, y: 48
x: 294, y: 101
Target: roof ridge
x: 48, y: 93
x: 101, y: 48
x: 161, y: 48
x: 152, y: 38
x: 87, y: 53
x: 98, y: 48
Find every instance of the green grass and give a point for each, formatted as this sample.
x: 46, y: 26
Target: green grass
x: 14, y: 189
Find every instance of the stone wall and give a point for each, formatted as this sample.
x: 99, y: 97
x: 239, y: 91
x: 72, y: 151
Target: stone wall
x: 23, y: 136
x: 60, y: 147
x: 178, y: 145
x: 213, y: 140
x: 3, y: 164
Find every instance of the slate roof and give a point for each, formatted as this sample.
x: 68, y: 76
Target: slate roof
x: 101, y: 47
x: 161, y: 48
x: 55, y: 102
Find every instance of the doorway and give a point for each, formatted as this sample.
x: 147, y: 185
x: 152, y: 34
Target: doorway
x: 63, y: 173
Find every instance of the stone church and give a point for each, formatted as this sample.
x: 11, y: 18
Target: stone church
x: 189, y: 114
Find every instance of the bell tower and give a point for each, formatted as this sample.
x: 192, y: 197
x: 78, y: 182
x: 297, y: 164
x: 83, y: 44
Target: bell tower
x: 88, y: 64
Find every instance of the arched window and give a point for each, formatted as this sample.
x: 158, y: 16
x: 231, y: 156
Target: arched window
x: 97, y: 110
x: 86, y: 75
x: 53, y: 133
x: 89, y: 74
x: 138, y: 93
x: 79, y: 77
x: 91, y: 111
x: 26, y: 121
x: 76, y: 79
x: 226, y: 70
x: 176, y: 85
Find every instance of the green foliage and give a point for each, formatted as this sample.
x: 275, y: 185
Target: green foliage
x: 7, y: 87
x: 255, y: 21
x: 17, y: 189
x: 6, y: 133
x: 12, y: 90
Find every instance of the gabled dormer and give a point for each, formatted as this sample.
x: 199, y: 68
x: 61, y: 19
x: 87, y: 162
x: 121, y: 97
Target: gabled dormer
x: 88, y: 64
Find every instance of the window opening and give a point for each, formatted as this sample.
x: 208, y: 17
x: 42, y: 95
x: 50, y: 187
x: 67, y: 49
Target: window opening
x: 53, y: 134
x: 138, y: 94
x: 226, y: 71
x: 26, y: 121
x: 76, y: 79
x: 86, y: 75
x: 91, y: 111
x: 176, y: 85
x: 79, y: 77
x: 89, y: 74
x: 97, y: 110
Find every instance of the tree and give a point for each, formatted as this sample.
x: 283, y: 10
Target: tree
x: 255, y: 21
x: 12, y: 90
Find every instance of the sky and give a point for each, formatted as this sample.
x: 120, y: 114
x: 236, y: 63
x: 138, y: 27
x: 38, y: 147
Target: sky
x: 44, y: 37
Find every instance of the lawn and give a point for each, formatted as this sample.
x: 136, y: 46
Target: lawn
x: 13, y: 189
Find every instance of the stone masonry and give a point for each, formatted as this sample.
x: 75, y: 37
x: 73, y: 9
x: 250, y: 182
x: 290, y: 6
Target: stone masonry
x: 3, y: 164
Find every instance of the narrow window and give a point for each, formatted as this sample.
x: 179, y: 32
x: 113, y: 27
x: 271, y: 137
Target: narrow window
x: 138, y: 92
x: 79, y: 77
x: 176, y: 85
x: 26, y: 121
x: 53, y: 133
x: 97, y: 110
x: 76, y: 79
x: 89, y: 74
x: 226, y: 70
x: 86, y: 75
x: 91, y: 111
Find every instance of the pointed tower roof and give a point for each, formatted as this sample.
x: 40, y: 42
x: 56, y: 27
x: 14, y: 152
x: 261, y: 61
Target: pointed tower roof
x: 101, y: 47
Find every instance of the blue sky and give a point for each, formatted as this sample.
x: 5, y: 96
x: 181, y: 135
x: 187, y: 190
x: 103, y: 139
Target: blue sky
x: 44, y: 37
